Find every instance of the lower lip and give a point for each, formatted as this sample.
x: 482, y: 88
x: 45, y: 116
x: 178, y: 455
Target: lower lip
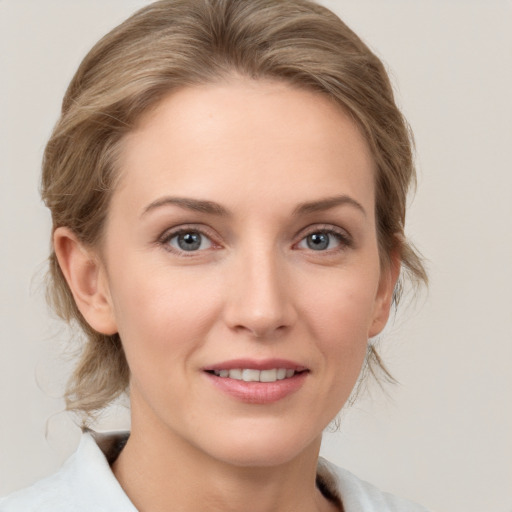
x: 258, y: 392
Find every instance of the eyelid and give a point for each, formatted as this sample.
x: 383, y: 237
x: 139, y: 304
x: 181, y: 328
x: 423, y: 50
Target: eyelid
x: 170, y: 233
x: 344, y: 236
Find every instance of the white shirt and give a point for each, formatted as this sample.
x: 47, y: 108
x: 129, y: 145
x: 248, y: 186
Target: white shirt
x: 86, y: 484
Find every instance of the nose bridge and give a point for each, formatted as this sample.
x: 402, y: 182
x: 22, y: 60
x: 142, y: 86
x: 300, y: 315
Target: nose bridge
x: 259, y: 293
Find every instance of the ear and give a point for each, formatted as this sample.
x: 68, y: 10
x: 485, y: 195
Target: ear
x: 86, y: 277
x: 388, y: 278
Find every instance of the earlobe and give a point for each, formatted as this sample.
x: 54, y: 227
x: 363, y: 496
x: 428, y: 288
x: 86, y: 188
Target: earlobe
x: 388, y: 279
x: 86, y: 279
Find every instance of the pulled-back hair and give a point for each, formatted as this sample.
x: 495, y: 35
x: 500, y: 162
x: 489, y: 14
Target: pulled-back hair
x: 172, y: 44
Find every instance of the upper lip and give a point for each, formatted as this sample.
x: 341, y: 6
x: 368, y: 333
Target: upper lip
x: 256, y: 364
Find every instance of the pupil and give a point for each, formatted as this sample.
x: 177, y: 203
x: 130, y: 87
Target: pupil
x: 318, y: 241
x: 189, y: 241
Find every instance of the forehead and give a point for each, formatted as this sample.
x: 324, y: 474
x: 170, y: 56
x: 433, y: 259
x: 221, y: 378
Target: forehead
x: 260, y: 138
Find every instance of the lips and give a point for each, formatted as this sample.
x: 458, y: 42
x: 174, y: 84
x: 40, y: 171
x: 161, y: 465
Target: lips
x: 257, y: 382
x: 252, y: 375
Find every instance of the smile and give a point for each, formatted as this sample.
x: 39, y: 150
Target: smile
x: 257, y: 381
x: 251, y: 375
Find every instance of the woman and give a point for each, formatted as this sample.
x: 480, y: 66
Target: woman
x: 227, y: 184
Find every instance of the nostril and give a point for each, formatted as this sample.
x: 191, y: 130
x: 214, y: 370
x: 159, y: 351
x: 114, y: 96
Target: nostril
x: 259, y: 306
x: 262, y: 329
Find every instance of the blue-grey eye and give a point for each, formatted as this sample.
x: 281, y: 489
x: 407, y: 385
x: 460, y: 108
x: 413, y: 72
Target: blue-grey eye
x: 320, y: 241
x: 190, y: 241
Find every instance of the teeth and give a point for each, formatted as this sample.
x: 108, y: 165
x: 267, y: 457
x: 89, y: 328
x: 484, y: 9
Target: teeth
x: 234, y: 374
x: 250, y: 375
x: 268, y: 375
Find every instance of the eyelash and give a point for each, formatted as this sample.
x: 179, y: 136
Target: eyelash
x: 167, y: 236
x: 343, y: 238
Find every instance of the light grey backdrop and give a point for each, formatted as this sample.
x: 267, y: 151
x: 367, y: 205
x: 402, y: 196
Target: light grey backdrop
x: 444, y: 438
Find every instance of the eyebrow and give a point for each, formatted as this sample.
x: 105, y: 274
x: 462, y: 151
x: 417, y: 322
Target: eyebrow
x: 196, y: 205
x: 212, y: 208
x: 326, y: 204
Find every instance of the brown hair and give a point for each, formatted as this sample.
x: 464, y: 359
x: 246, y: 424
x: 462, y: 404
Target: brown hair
x: 176, y: 43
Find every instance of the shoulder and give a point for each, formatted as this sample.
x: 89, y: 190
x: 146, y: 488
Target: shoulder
x: 52, y: 493
x: 84, y: 483
x: 358, y: 495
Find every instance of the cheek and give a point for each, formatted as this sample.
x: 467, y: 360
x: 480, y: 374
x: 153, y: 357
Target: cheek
x: 340, y: 314
x: 161, y: 313
x: 343, y: 303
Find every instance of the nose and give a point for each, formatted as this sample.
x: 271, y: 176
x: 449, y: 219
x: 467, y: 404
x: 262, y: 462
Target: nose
x: 260, y: 296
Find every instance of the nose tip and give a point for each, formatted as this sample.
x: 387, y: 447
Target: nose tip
x: 261, y: 324
x: 260, y: 300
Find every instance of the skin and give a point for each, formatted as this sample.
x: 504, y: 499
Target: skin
x: 254, y: 289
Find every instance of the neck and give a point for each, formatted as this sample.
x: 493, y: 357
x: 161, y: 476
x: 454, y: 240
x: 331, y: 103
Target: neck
x: 160, y: 471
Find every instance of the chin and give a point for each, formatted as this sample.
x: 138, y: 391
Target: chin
x: 263, y: 448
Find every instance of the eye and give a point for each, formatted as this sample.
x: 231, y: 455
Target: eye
x: 188, y: 241
x: 324, y: 240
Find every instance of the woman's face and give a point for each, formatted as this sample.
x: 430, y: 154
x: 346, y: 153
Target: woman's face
x: 241, y: 268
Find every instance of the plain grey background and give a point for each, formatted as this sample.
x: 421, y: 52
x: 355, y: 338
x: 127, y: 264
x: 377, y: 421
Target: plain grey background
x: 444, y: 437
